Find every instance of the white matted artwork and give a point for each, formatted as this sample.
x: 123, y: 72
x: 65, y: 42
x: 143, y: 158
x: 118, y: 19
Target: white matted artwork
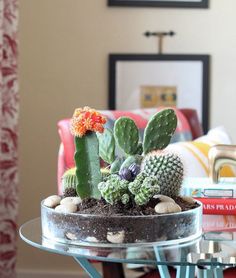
x: 147, y: 81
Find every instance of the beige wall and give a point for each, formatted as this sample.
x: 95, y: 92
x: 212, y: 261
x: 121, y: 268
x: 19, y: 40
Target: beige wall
x: 64, y: 45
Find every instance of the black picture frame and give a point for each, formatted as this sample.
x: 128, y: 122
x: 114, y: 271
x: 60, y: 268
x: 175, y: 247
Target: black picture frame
x: 203, y: 59
x: 159, y: 3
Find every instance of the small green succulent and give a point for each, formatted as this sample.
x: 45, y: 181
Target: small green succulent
x: 143, y: 188
x: 114, y: 190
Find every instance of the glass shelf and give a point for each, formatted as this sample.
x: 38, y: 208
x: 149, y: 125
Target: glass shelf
x: 213, y: 248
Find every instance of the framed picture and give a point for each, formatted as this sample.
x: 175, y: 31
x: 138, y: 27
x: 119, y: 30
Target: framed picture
x: 160, y: 3
x: 150, y: 80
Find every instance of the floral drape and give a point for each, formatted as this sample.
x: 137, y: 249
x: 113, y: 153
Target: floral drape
x: 9, y: 105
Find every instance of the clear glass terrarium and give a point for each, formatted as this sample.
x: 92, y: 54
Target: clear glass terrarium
x: 88, y: 229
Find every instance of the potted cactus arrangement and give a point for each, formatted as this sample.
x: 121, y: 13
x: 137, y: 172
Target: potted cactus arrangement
x: 134, y: 198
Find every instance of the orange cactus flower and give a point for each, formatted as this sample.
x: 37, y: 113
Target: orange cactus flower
x: 86, y: 119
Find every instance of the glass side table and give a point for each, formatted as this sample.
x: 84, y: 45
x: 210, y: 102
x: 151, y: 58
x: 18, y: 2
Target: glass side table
x: 206, y: 256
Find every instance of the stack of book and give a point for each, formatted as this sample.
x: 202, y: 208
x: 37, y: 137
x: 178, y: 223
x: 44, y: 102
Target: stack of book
x: 217, y: 199
x: 219, y: 223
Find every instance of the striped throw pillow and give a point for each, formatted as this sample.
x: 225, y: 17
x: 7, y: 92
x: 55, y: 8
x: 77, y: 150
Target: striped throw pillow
x: 194, y: 154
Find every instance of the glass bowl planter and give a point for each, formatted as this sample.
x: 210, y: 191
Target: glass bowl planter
x: 87, y: 229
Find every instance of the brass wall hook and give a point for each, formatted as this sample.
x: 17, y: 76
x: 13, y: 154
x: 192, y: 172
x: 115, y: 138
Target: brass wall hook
x: 160, y: 36
x: 218, y: 156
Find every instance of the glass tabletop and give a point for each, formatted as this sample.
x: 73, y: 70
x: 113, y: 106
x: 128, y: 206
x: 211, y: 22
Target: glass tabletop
x: 216, y: 247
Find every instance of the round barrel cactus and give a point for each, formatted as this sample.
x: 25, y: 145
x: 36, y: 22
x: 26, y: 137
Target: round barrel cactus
x: 167, y: 168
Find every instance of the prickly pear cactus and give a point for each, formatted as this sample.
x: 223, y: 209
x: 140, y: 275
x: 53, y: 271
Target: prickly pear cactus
x: 140, y: 148
x: 167, y: 168
x: 106, y: 146
x: 116, y: 164
x: 159, y: 130
x: 126, y: 135
x: 114, y: 190
x: 137, y: 158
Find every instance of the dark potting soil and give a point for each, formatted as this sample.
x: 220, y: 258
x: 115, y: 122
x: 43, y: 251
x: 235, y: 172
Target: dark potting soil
x: 100, y: 207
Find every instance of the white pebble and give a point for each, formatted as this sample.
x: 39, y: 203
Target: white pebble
x: 52, y: 201
x: 188, y: 199
x: 66, y: 208
x: 71, y: 236
x: 117, y: 237
x: 163, y: 198
x: 91, y: 239
x: 73, y: 200
x: 167, y: 207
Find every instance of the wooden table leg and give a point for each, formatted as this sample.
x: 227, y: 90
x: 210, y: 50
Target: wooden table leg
x: 112, y: 270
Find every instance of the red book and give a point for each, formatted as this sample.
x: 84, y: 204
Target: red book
x: 219, y: 223
x: 225, y: 206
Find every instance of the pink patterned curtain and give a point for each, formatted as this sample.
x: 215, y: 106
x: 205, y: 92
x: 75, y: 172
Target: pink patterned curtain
x: 9, y: 105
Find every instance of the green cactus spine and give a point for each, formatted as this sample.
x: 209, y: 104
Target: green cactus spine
x: 69, y: 179
x: 159, y: 130
x: 126, y: 135
x: 167, y: 168
x: 87, y: 165
x: 106, y: 145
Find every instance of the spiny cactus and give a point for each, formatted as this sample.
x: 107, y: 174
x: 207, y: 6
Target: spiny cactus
x: 159, y: 130
x: 140, y: 148
x: 116, y: 165
x: 126, y: 135
x: 114, y: 190
x: 106, y: 145
x: 148, y: 189
x: 144, y: 188
x: 87, y: 165
x: 125, y: 199
x: 167, y: 168
x: 69, y: 179
x: 84, y: 125
x: 135, y: 186
x: 137, y: 159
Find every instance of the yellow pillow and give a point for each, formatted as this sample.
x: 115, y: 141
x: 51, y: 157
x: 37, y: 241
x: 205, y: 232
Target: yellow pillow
x: 194, y: 154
